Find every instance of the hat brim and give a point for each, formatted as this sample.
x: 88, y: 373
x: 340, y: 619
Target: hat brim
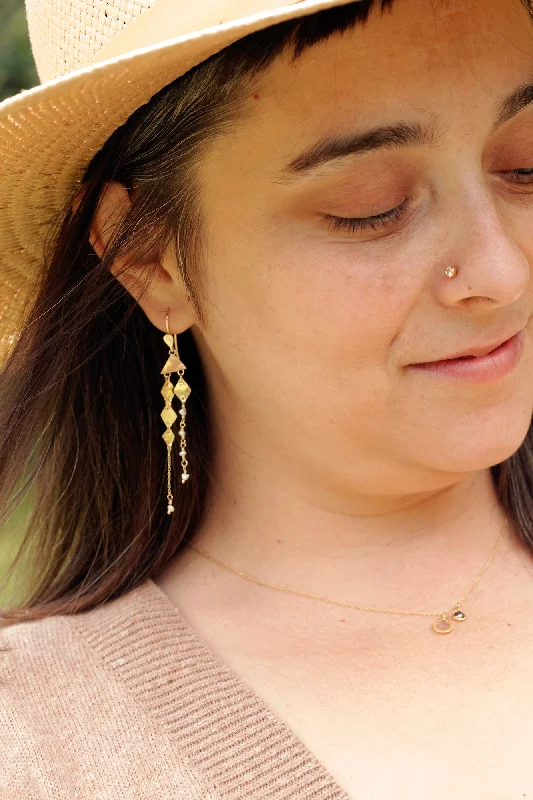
x: 49, y: 134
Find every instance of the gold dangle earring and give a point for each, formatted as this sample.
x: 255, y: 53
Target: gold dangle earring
x: 182, y: 390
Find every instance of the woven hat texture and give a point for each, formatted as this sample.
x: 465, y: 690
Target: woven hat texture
x: 98, y: 61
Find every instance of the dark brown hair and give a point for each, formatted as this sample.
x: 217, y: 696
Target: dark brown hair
x: 80, y: 402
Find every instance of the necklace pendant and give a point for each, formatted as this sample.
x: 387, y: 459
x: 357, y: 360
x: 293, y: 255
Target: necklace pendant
x: 459, y: 615
x: 443, y: 624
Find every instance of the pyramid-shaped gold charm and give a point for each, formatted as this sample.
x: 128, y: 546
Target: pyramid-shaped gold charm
x: 182, y: 390
x: 173, y: 365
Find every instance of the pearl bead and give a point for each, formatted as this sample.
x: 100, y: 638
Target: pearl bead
x: 182, y: 433
x: 182, y: 453
x: 170, y: 509
x: 183, y: 412
x: 184, y: 477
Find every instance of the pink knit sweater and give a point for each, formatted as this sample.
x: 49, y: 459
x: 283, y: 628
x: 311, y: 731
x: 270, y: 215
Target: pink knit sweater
x: 127, y: 702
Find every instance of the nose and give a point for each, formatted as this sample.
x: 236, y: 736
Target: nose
x: 487, y: 244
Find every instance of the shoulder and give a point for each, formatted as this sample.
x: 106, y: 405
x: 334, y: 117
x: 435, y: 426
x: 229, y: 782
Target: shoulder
x: 35, y: 653
x: 31, y: 653
x: 38, y: 653
x: 70, y: 710
x: 41, y: 662
x: 69, y: 650
x: 45, y: 673
x: 113, y: 648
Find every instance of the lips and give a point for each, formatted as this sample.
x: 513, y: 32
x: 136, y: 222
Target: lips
x: 476, y: 351
x: 494, y: 366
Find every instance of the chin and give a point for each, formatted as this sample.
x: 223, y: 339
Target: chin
x: 479, y: 444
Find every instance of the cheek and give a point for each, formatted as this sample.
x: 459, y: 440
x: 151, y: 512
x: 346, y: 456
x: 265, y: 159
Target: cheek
x: 290, y: 308
x: 522, y: 232
x: 332, y: 300
x: 308, y: 312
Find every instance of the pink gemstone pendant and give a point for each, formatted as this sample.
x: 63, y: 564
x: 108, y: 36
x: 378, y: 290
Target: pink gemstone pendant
x: 443, y: 625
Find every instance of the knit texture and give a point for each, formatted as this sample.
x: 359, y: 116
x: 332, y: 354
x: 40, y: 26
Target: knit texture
x: 127, y: 702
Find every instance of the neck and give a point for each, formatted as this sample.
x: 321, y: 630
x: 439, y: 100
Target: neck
x: 418, y: 549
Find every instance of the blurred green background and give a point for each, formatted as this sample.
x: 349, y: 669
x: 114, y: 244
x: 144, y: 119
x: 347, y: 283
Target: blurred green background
x: 17, y: 72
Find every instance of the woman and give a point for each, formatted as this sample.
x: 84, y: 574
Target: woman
x: 310, y: 229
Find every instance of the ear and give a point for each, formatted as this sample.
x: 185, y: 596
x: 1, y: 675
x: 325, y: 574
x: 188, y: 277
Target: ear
x: 166, y: 291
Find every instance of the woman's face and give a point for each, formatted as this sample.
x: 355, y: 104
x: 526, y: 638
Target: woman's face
x: 313, y: 323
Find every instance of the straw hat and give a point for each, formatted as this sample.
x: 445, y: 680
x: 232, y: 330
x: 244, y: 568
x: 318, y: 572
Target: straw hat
x: 98, y: 61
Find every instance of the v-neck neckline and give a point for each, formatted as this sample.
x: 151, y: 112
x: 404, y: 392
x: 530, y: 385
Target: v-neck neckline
x: 308, y: 778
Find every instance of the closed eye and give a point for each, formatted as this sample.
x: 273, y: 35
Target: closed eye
x: 361, y: 224
x: 523, y: 176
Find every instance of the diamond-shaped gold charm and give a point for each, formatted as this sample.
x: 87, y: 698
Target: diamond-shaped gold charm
x: 168, y: 436
x: 173, y: 364
x: 168, y: 391
x: 168, y: 339
x: 169, y: 416
x: 182, y: 390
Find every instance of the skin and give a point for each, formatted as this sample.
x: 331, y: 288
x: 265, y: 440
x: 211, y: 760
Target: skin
x: 340, y: 471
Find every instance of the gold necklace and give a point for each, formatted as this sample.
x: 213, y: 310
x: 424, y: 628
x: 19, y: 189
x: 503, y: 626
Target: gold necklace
x: 443, y: 623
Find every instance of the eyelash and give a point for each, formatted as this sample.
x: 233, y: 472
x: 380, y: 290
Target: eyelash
x: 360, y: 224
x: 522, y: 173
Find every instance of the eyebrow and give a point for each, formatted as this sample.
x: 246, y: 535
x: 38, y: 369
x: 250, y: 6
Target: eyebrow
x: 401, y: 134
x: 512, y: 105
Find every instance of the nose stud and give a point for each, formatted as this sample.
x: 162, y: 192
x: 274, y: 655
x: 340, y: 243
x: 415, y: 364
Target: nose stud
x: 451, y: 272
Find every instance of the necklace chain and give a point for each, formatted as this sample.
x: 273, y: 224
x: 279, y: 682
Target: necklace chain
x: 441, y: 614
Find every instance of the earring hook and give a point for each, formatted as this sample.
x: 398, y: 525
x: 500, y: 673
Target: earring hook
x: 174, y: 335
